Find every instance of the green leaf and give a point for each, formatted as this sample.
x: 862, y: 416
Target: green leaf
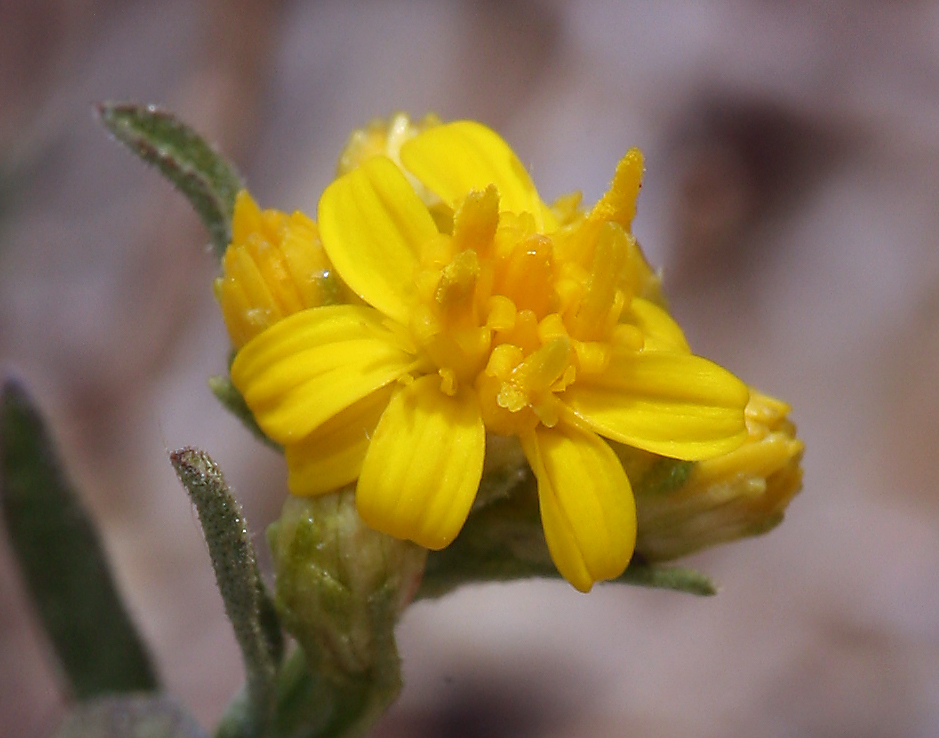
x: 130, y: 717
x: 62, y: 561
x: 504, y: 541
x: 678, y: 578
x: 247, y: 604
x: 205, y: 177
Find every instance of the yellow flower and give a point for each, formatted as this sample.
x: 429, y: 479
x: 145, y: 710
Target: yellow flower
x: 485, y: 311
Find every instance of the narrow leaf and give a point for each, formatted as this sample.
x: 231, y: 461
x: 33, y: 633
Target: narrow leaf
x: 204, y: 176
x: 62, y: 561
x: 247, y: 605
x: 678, y: 578
x: 130, y: 717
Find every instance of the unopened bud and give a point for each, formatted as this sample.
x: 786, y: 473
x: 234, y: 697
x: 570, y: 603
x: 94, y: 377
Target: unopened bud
x: 341, y: 585
x: 683, y: 507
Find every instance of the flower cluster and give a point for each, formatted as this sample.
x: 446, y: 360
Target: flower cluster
x: 440, y: 302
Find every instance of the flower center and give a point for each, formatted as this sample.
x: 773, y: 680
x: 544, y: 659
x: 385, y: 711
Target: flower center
x: 518, y: 314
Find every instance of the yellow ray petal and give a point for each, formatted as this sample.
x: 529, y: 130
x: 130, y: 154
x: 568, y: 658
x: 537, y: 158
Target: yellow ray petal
x: 673, y: 404
x: 306, y: 368
x: 455, y: 158
x: 332, y: 455
x: 587, y: 506
x: 661, y: 332
x: 423, y: 465
x: 373, y: 226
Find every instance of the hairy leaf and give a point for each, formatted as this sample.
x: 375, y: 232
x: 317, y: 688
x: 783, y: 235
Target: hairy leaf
x: 62, y: 561
x: 247, y: 605
x: 205, y: 177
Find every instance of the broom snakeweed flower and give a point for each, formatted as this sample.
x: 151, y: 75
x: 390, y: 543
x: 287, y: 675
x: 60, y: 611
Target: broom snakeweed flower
x: 470, y: 308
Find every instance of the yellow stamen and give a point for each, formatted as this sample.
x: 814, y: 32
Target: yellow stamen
x: 618, y: 204
x: 474, y: 224
x: 536, y: 374
x: 501, y: 313
x: 600, y: 309
x: 457, y: 282
x: 526, y: 275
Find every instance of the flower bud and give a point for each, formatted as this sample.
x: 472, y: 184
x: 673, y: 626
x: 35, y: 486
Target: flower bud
x: 684, y: 507
x: 274, y: 266
x: 341, y: 585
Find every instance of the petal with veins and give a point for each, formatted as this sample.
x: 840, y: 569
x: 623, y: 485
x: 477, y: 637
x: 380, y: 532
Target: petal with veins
x: 453, y: 159
x: 424, y: 463
x: 674, y: 404
x: 373, y: 228
x: 331, y: 457
x: 587, y: 506
x: 305, y: 369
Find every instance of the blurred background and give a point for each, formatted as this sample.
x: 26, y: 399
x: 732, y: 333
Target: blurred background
x: 792, y: 155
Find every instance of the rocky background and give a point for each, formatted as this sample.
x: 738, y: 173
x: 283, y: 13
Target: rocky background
x: 791, y: 197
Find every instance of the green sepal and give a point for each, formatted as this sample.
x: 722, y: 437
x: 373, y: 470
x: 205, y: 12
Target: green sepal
x: 233, y: 401
x: 62, y: 561
x: 247, y: 604
x: 662, y: 477
x: 208, y: 180
x: 504, y: 541
x: 130, y: 717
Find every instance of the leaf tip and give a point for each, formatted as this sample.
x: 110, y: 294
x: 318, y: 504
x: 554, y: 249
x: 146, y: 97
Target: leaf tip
x: 192, y: 462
